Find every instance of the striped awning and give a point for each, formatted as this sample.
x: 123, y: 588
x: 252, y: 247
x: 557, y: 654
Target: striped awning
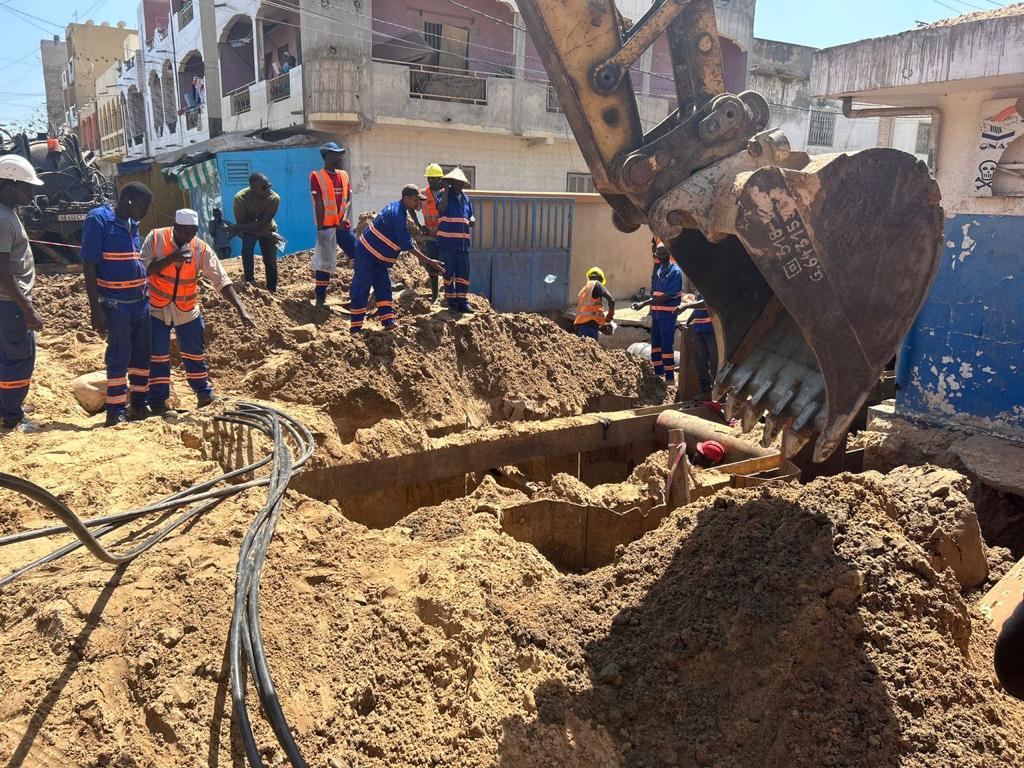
x: 198, y: 175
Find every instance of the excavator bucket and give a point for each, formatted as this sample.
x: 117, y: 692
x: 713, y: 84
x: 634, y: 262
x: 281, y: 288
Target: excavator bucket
x: 829, y: 264
x: 813, y: 269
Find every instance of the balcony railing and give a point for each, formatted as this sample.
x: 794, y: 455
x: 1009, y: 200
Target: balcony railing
x: 185, y: 15
x: 443, y: 84
x: 241, y: 102
x: 279, y: 88
x: 553, y: 105
x: 193, y: 118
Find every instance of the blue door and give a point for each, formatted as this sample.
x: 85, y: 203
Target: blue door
x: 520, y: 257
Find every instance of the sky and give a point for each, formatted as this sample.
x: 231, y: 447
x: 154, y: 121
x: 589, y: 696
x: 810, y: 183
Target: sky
x: 820, y: 23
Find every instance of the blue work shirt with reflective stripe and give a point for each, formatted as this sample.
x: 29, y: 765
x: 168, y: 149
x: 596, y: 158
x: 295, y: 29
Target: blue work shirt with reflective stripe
x: 113, y: 245
x: 667, y: 287
x: 453, y: 231
x: 388, y: 234
x: 701, y: 319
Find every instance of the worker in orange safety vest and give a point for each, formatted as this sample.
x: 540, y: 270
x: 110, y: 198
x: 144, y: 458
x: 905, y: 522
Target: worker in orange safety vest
x: 331, y: 192
x: 590, y: 314
x: 435, y: 186
x: 174, y: 259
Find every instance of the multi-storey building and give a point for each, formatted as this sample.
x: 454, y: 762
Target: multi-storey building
x: 403, y: 84
x: 54, y: 55
x: 91, y: 49
x: 781, y: 72
x: 110, y: 119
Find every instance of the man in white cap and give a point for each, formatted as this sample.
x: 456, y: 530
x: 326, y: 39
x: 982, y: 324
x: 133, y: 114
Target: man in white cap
x: 174, y: 259
x: 18, y: 318
x: 454, y: 232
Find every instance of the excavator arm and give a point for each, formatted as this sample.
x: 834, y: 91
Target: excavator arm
x: 813, y: 269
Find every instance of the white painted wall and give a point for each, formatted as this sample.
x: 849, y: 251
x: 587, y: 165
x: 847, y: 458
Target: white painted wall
x: 383, y: 158
x: 958, y: 149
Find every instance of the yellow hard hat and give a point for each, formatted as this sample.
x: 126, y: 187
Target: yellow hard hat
x: 596, y: 273
x: 434, y: 171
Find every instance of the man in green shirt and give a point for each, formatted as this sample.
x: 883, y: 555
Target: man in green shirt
x: 255, y: 208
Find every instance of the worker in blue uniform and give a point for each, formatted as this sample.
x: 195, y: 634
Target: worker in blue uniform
x: 19, y: 319
x: 705, y: 346
x: 666, y: 295
x: 115, y: 281
x: 376, y: 250
x: 454, y: 232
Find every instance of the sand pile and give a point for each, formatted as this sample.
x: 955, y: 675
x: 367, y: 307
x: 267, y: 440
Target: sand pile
x: 830, y: 625
x: 788, y: 626
x: 443, y: 372
x: 780, y: 626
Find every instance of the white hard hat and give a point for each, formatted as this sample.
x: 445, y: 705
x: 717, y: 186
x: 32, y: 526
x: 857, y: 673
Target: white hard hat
x: 17, y: 168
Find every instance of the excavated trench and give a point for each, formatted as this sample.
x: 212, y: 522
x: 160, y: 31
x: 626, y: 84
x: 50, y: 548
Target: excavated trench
x: 573, y: 530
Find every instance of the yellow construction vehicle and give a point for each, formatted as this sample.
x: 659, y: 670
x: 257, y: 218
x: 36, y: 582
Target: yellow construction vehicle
x: 813, y: 268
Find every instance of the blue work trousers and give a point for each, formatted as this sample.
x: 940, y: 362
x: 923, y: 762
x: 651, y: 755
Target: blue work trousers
x: 705, y: 358
x: 17, y: 361
x: 370, y: 272
x: 456, y: 277
x: 192, y: 348
x: 589, y: 330
x: 663, y: 335
x: 322, y: 281
x: 127, y: 357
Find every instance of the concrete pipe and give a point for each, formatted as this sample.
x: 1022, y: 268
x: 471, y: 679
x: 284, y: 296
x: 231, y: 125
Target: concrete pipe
x: 643, y: 349
x: 699, y: 429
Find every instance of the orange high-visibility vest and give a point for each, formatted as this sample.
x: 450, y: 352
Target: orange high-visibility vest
x: 334, y: 209
x: 590, y: 310
x: 431, y: 217
x: 173, y: 283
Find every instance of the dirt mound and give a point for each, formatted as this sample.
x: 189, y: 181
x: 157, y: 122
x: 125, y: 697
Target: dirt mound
x: 785, y: 626
x: 450, y: 375
x: 795, y: 626
x: 446, y: 373
x: 931, y: 505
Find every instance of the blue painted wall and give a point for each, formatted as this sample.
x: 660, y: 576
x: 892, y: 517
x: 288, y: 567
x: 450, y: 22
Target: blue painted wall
x: 288, y: 171
x: 963, y: 362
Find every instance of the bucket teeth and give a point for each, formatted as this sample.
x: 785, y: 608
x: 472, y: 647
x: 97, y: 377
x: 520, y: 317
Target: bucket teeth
x: 722, y: 383
x: 750, y: 418
x: 772, y: 426
x: 793, y: 442
x: 743, y: 377
x: 758, y: 397
x: 721, y: 388
x: 735, y: 406
x: 784, y: 401
x: 805, y: 416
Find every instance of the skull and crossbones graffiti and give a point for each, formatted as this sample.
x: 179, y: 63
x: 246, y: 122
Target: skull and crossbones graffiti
x: 986, y: 172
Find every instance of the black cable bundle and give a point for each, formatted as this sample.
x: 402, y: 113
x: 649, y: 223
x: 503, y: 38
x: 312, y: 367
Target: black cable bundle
x: 246, y: 647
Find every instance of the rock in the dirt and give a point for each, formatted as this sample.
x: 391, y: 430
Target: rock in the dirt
x: 303, y: 333
x: 610, y: 675
x: 91, y: 391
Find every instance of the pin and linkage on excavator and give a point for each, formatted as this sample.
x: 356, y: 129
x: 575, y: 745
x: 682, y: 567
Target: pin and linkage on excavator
x: 813, y: 268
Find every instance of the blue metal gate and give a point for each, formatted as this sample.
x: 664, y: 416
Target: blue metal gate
x: 518, y: 244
